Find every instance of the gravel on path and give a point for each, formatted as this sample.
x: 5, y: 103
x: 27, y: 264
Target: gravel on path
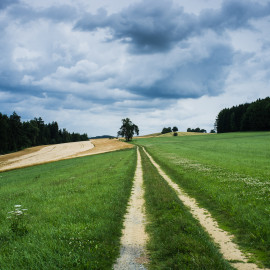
x: 133, y: 254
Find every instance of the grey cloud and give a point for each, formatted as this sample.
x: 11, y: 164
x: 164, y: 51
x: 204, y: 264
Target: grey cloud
x: 5, y: 3
x: 156, y: 25
x: 193, y: 79
x: 21, y: 90
x: 26, y: 13
x: 149, y: 26
x: 60, y: 13
x: 233, y: 15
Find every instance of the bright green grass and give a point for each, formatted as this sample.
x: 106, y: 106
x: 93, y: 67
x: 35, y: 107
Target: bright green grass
x: 177, y: 241
x: 227, y: 173
x: 75, y: 212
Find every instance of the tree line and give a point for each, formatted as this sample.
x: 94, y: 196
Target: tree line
x: 16, y: 135
x: 169, y: 130
x: 198, y: 130
x: 253, y: 116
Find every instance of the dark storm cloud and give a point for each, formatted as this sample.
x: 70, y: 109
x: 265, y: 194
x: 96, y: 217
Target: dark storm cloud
x: 149, y: 26
x: 156, y: 25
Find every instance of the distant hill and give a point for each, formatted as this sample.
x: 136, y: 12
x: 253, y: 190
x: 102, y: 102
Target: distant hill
x: 171, y: 134
x: 103, y: 137
x: 182, y: 134
x: 149, y: 135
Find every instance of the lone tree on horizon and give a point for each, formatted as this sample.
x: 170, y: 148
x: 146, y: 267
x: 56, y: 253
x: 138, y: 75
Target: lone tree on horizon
x: 128, y: 129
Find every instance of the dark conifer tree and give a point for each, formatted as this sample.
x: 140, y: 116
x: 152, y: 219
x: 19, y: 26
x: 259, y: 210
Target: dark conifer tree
x: 253, y: 116
x: 16, y: 135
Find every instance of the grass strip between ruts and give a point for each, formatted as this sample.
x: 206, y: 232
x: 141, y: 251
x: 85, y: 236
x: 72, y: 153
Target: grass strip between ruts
x: 228, y: 174
x: 177, y: 241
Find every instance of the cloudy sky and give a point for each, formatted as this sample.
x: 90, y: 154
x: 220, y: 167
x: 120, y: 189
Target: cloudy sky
x: 89, y: 63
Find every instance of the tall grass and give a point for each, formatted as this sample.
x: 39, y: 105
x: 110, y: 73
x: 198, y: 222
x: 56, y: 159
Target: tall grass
x: 228, y: 174
x: 75, y: 212
x: 177, y: 241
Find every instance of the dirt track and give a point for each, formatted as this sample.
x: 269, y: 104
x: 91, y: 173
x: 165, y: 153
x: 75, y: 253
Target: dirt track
x: 228, y: 248
x: 133, y: 252
x: 45, y: 154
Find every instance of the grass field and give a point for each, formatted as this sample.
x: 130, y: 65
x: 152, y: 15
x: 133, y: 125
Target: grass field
x: 75, y: 208
x: 229, y: 174
x: 177, y: 241
x: 75, y: 212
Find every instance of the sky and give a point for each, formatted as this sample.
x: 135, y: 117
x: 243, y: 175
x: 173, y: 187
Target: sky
x: 89, y: 64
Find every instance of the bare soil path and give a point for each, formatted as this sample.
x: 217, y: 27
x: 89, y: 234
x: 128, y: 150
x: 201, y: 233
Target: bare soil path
x: 49, y: 153
x: 230, y: 250
x: 133, y: 241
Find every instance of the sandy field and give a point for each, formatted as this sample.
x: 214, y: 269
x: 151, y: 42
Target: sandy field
x: 50, y: 153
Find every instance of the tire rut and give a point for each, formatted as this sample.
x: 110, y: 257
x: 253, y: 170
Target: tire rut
x: 230, y: 250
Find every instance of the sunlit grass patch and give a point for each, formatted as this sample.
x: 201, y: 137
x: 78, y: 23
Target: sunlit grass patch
x: 230, y: 175
x: 177, y: 240
x: 75, y: 212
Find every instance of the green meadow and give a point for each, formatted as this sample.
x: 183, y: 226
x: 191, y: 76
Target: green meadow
x: 177, y: 241
x: 75, y: 208
x: 75, y: 211
x: 229, y: 174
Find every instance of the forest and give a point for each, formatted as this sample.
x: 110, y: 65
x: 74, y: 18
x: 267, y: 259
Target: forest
x: 197, y: 130
x: 16, y: 135
x: 253, y: 116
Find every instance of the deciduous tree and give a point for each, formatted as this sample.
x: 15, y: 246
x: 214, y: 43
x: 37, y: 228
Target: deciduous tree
x: 128, y: 129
